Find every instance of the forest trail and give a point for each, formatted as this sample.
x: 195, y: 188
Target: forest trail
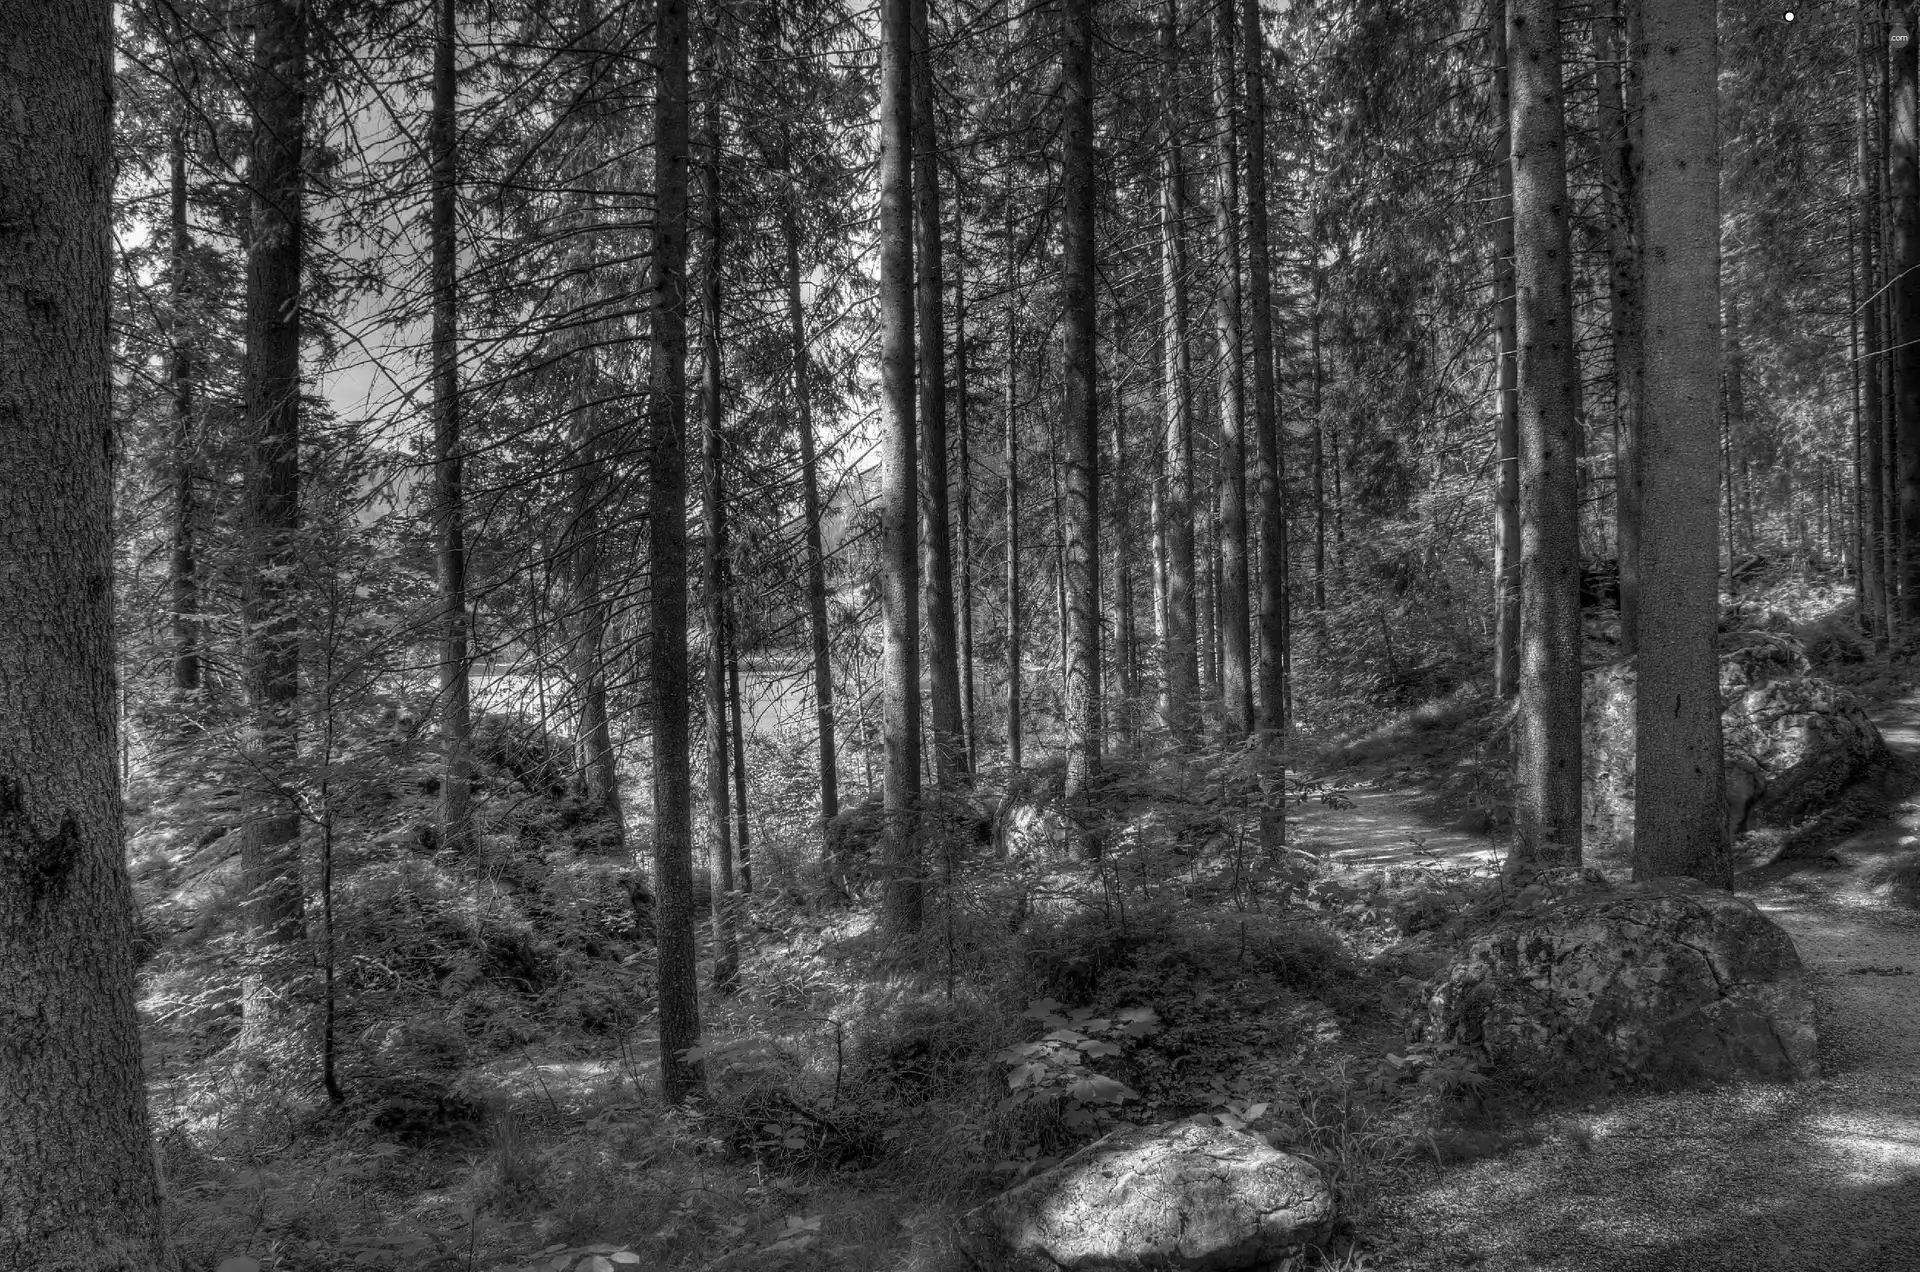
x: 1821, y: 1175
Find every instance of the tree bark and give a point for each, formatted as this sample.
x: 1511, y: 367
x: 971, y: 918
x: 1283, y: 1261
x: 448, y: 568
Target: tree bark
x: 742, y: 857
x: 936, y: 529
x: 680, y: 1078
x: 899, y: 560
x: 1615, y: 35
x: 183, y: 566
x: 810, y: 504
x: 1236, y: 638
x: 1011, y: 461
x: 1904, y: 271
x: 963, y: 541
x: 456, y: 713
x: 1872, y: 403
x: 77, y: 1180
x: 1547, y: 745
x: 1080, y: 411
x: 1270, y: 713
x: 270, y: 843
x: 726, y: 944
x: 1680, y: 825
x: 1506, y: 478
x: 1179, y: 651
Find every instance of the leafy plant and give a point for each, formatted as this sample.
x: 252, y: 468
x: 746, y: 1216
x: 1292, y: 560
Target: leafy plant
x: 1057, y: 1069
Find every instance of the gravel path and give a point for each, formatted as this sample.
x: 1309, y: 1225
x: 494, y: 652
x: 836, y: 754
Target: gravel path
x: 1825, y: 1175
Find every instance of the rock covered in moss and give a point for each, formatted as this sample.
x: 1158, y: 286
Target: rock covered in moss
x: 1175, y: 1196
x: 1671, y: 982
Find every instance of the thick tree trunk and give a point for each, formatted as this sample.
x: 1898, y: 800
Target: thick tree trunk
x: 679, y: 991
x: 810, y: 506
x: 1680, y: 825
x: 456, y: 717
x: 1615, y: 34
x: 1506, y: 476
x: 936, y: 531
x: 1547, y: 745
x: 1872, y: 405
x: 1904, y: 272
x: 183, y: 567
x: 726, y: 943
x: 1179, y: 653
x: 77, y: 1178
x: 1236, y: 638
x: 899, y: 560
x: 1270, y: 707
x: 270, y: 844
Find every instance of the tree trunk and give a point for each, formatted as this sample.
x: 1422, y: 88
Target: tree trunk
x: 680, y: 1078
x: 1872, y: 403
x: 741, y: 855
x: 456, y: 719
x: 936, y: 532
x: 726, y: 944
x: 810, y: 497
x: 1319, y: 447
x: 1615, y: 35
x: 1011, y: 461
x: 1179, y: 653
x: 1547, y: 746
x: 899, y: 561
x: 970, y: 737
x: 1680, y: 825
x: 270, y: 845
x: 1080, y: 410
x: 1506, y: 477
x: 1904, y: 270
x: 183, y: 567
x: 1119, y: 531
x: 77, y: 1178
x: 1236, y: 639
x: 1270, y: 714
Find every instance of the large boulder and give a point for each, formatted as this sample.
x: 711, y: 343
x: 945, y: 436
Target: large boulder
x: 1175, y: 1196
x: 1670, y: 982
x: 1792, y: 741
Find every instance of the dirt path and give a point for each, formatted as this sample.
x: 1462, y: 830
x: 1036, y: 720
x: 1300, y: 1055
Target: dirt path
x: 1749, y: 1178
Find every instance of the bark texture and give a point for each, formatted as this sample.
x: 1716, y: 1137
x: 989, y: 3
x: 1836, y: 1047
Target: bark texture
x: 1506, y: 478
x: 270, y: 843
x: 1903, y: 170
x: 680, y: 1079
x: 810, y: 505
x: 449, y: 476
x: 899, y: 466
x: 1179, y: 647
x: 1081, y: 410
x: 1235, y: 619
x: 1547, y: 742
x: 940, y: 629
x: 77, y: 1181
x: 1678, y: 827
x: 1270, y: 703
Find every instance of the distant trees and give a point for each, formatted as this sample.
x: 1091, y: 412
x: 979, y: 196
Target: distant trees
x: 77, y: 1176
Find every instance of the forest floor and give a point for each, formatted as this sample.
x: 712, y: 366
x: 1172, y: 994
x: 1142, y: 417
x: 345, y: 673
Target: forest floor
x: 1747, y: 1176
